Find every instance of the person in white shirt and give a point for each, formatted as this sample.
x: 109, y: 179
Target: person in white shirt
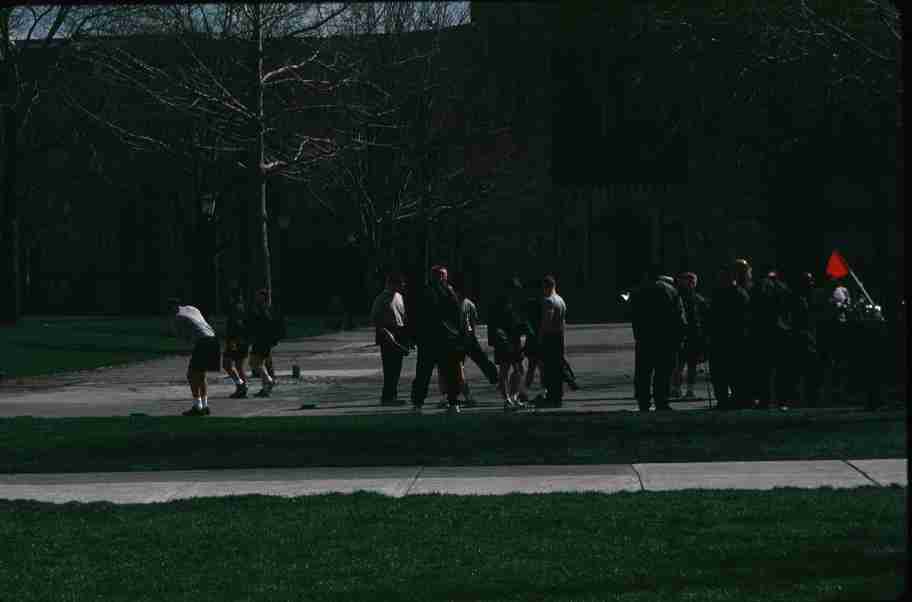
x: 190, y: 325
x: 389, y: 319
x: 551, y: 343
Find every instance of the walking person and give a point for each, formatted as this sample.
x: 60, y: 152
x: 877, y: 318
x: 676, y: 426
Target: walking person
x: 189, y: 324
x: 729, y: 331
x: 530, y: 351
x: 440, y: 340
x: 506, y: 329
x: 472, y: 347
x: 389, y: 320
x: 658, y: 326
x: 236, y: 345
x: 551, y: 344
x: 263, y: 336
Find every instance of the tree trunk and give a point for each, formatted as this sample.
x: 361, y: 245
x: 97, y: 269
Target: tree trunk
x: 265, y: 262
x: 10, y: 302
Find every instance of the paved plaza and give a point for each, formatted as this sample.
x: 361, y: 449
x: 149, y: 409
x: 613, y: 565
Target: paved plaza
x: 340, y: 374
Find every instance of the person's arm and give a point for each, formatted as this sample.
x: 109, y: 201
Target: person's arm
x: 546, y: 316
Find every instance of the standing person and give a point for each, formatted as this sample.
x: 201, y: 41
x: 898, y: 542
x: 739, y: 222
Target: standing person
x: 236, y: 345
x: 658, y: 325
x: 188, y: 323
x: 694, y: 339
x: 389, y: 320
x: 836, y: 341
x: 803, y: 358
x: 729, y: 326
x: 506, y: 329
x: 262, y: 332
x: 551, y: 344
x: 440, y: 341
x: 772, y: 336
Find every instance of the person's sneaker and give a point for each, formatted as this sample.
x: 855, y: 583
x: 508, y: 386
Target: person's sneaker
x: 206, y: 411
x: 453, y: 409
x: 239, y: 393
x: 194, y: 411
x: 264, y: 392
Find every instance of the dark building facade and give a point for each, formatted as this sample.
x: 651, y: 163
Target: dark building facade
x: 613, y: 141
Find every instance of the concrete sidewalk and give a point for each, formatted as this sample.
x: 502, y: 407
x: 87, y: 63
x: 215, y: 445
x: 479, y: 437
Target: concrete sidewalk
x: 164, y: 486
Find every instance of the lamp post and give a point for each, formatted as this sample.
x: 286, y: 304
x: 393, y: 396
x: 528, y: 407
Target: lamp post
x: 209, y: 272
x: 284, y: 224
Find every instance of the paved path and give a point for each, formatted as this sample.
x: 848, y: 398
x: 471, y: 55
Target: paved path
x: 148, y: 487
x: 340, y: 372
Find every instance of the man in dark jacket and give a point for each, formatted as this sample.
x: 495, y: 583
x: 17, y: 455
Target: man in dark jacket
x: 237, y: 346
x: 263, y: 333
x: 658, y: 327
x: 729, y: 332
x: 439, y: 337
x: 694, y: 345
x: 771, y: 336
x: 803, y: 356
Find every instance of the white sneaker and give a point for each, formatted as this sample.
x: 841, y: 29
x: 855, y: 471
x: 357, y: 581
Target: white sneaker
x: 454, y: 409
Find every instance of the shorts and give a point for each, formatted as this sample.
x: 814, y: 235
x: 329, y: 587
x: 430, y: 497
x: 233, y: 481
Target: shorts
x: 261, y: 349
x: 207, y: 356
x: 236, y: 349
x: 511, y: 353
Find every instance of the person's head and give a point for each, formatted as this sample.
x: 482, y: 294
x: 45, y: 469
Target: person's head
x: 741, y: 272
x: 440, y: 273
x: 395, y: 281
x: 549, y: 284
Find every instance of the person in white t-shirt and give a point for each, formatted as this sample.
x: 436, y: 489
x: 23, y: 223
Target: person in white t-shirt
x: 551, y: 343
x: 189, y: 324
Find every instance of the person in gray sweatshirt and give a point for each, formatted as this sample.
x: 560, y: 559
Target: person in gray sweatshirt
x: 189, y: 324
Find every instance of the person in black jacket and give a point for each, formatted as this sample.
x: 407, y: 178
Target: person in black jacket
x: 440, y: 339
x: 658, y: 327
x: 261, y: 328
x: 729, y: 334
x: 694, y: 346
x: 771, y: 337
x: 803, y: 355
x: 506, y: 329
x: 237, y: 346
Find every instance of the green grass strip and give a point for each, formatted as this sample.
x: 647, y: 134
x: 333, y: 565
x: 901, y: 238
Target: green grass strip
x: 162, y: 443
x: 785, y: 544
x: 36, y: 346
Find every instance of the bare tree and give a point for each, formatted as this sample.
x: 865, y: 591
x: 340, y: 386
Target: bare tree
x: 262, y: 85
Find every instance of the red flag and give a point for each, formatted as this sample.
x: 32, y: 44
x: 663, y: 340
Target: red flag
x: 837, y: 267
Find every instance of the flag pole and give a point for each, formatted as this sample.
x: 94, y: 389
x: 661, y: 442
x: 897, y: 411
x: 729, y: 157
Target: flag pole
x: 861, y: 286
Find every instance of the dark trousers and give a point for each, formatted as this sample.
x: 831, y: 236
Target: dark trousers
x: 481, y: 359
x: 730, y: 378
x: 771, y: 378
x: 552, y: 356
x: 654, y: 363
x: 806, y: 371
x: 566, y: 371
x: 430, y: 355
x: 392, y: 369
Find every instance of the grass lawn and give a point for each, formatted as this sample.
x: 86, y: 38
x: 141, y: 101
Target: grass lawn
x: 37, y: 345
x: 781, y: 545
x: 176, y: 442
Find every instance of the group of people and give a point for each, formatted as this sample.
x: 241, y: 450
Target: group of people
x: 527, y: 334
x: 254, y: 332
x: 762, y: 338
